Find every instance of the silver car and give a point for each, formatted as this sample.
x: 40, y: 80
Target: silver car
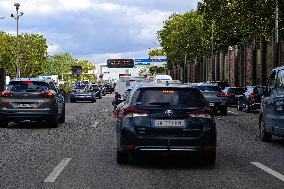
x: 214, y: 96
x: 32, y: 99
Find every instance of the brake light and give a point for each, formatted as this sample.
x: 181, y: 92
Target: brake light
x: 252, y: 95
x: 6, y: 94
x: 6, y: 103
x: 224, y: 95
x: 46, y: 94
x: 128, y: 146
x: 168, y: 91
x: 203, y: 113
x: 133, y: 112
x: 27, y: 82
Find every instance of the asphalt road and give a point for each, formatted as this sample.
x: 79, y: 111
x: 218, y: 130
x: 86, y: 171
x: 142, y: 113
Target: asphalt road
x: 81, y: 153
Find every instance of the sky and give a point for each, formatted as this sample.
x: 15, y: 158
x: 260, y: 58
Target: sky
x: 94, y: 29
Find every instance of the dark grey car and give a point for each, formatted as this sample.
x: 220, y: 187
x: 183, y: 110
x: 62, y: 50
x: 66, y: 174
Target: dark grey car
x: 32, y: 100
x: 165, y: 118
x: 83, y: 93
x: 214, y: 96
x: 271, y: 118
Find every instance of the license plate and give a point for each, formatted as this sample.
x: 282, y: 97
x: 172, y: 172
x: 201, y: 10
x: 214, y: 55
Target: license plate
x: 25, y: 105
x: 211, y: 104
x: 169, y: 123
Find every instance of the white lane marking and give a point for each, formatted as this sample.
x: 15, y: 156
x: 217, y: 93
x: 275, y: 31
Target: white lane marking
x: 94, y: 125
x: 106, y: 110
x: 57, y: 170
x: 268, y: 170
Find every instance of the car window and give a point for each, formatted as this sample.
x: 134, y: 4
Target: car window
x: 237, y: 91
x: 271, y: 82
x: 258, y: 90
x: 209, y: 88
x: 169, y: 97
x: 280, y: 80
x: 27, y: 86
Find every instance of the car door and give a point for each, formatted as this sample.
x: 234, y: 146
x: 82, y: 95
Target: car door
x: 267, y: 102
x: 278, y: 120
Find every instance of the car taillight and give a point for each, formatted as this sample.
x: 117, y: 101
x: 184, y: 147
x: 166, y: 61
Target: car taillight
x: 224, y: 95
x: 46, y: 94
x: 252, y: 95
x: 203, y: 113
x: 134, y: 112
x: 6, y: 94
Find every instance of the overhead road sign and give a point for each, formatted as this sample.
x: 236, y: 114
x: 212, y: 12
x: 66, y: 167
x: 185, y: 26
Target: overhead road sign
x: 120, y: 63
x: 147, y: 61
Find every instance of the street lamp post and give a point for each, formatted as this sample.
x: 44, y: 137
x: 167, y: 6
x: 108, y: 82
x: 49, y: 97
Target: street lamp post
x: 18, y: 71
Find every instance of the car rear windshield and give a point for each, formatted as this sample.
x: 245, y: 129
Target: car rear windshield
x: 169, y: 97
x: 237, y: 91
x: 27, y: 86
x: 258, y: 90
x: 209, y: 88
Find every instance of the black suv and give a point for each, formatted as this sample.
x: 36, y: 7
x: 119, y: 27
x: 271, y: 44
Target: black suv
x: 271, y: 117
x: 161, y: 118
x: 251, y: 98
x: 32, y: 100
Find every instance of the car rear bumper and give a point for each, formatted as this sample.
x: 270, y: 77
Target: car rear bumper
x: 34, y: 115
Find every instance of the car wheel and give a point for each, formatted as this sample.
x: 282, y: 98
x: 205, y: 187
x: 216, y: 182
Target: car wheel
x: 224, y: 111
x: 209, y: 158
x: 62, y: 117
x: 264, y: 135
x: 122, y: 157
x: 93, y: 100
x: 239, y: 108
x: 248, y: 108
x: 53, y: 123
x: 72, y: 100
x: 4, y: 123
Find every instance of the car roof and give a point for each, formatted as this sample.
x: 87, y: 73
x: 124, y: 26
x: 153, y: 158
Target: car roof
x: 33, y: 79
x: 278, y: 68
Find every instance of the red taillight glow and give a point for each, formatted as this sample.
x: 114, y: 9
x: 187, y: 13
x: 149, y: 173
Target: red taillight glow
x: 168, y: 91
x: 128, y: 146
x: 6, y: 94
x: 46, y: 94
x: 203, y: 113
x: 225, y: 95
x: 133, y: 112
x: 252, y: 95
x: 6, y: 103
x: 27, y: 82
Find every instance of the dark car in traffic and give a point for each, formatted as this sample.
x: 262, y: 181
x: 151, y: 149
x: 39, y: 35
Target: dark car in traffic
x: 214, y: 96
x: 109, y: 88
x: 103, y: 89
x: 251, y: 98
x: 164, y: 118
x: 221, y: 84
x: 32, y: 99
x: 233, y: 94
x: 83, y: 93
x: 271, y: 117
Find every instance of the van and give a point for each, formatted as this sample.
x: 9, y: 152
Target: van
x: 271, y: 117
x: 127, y: 81
x: 162, y: 78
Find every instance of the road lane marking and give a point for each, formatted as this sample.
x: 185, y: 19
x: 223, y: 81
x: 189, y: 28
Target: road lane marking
x: 94, y: 125
x: 268, y: 170
x: 57, y: 170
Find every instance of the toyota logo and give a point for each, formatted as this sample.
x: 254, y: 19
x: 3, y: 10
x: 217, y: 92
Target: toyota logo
x: 169, y: 113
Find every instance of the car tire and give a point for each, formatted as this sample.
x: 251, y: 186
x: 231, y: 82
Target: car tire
x: 209, y: 158
x: 248, y: 108
x: 264, y: 135
x: 239, y: 108
x: 4, y: 123
x: 53, y: 123
x: 122, y: 157
x: 224, y: 111
x: 72, y: 100
x: 62, y: 117
x: 93, y: 100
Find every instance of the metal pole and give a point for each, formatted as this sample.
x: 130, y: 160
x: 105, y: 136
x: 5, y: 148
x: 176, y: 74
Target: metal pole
x: 184, y: 68
x: 18, y: 74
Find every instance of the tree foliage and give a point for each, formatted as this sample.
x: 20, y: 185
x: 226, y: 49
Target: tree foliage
x: 216, y: 24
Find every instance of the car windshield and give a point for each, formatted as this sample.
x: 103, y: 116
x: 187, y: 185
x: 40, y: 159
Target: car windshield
x: 169, y: 97
x: 27, y: 86
x: 208, y: 88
